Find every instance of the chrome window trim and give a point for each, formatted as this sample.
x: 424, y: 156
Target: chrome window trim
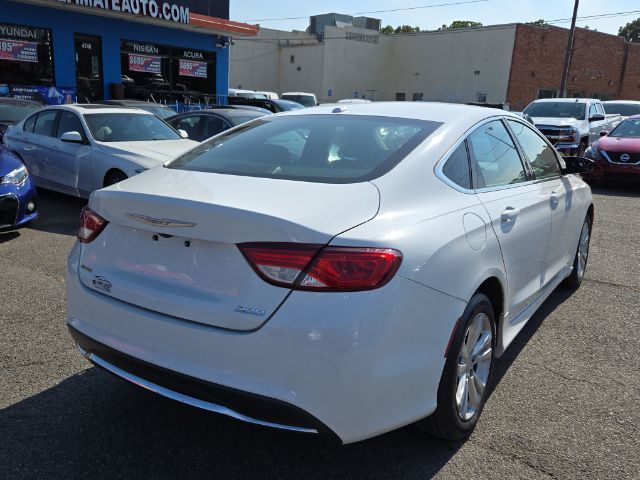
x: 15, y: 220
x: 606, y: 156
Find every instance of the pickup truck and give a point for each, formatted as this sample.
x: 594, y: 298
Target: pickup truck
x: 571, y: 124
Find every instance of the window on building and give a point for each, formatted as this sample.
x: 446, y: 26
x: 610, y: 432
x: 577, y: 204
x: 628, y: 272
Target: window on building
x: 417, y: 97
x: 481, y: 97
x: 400, y: 97
x: 292, y: 59
x: 163, y: 73
x: 26, y: 56
x: 548, y: 93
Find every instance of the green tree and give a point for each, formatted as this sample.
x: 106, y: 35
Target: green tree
x: 461, y: 24
x: 538, y: 23
x: 631, y: 31
x: 389, y: 30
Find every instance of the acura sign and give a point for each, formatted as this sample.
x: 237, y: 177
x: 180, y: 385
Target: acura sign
x: 148, y: 8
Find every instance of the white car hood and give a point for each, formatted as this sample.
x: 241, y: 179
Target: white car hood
x: 148, y: 154
x: 557, y: 122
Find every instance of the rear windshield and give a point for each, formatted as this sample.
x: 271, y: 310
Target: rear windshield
x: 311, y: 148
x: 305, y: 100
x: 624, y: 109
x: 557, y: 110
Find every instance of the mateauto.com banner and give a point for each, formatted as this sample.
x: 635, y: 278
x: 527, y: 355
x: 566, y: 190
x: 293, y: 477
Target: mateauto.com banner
x: 148, y: 8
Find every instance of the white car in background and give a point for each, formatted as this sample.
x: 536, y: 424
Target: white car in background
x: 624, y: 108
x: 76, y: 149
x: 332, y: 270
x: 303, y: 98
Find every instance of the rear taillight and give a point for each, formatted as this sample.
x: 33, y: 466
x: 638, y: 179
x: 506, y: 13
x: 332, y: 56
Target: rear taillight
x: 314, y: 267
x: 91, y: 224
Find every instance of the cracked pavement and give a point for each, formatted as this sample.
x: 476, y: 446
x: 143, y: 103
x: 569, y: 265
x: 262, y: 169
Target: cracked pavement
x: 563, y: 403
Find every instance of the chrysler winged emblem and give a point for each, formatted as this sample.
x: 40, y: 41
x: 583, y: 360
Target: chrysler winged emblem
x: 159, y: 222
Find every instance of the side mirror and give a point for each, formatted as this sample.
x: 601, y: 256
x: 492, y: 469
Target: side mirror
x: 597, y: 117
x: 577, y: 165
x: 72, y: 137
x: 604, y: 133
x: 183, y: 133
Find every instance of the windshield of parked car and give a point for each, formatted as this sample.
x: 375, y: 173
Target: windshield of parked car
x: 160, y: 112
x: 311, y: 148
x: 624, y: 109
x: 244, y: 118
x: 15, y: 113
x: 304, y: 100
x: 129, y: 127
x: 557, y: 110
x: 629, y: 128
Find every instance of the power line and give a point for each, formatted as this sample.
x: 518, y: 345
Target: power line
x: 428, y: 32
x: 373, y: 11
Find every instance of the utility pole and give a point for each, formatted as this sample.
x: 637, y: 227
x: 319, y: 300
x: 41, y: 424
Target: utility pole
x: 569, y: 52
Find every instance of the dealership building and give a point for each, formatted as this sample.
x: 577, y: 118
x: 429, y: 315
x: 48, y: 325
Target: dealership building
x: 58, y: 51
x: 511, y: 65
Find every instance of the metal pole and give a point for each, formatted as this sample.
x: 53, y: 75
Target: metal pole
x: 567, y: 58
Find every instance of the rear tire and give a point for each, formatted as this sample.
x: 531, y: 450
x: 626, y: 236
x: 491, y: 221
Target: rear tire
x: 581, y: 259
x: 467, y: 374
x: 113, y: 177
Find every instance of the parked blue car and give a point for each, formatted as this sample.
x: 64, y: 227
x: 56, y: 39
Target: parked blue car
x: 18, y: 202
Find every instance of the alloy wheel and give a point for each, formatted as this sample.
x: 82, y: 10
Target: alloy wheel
x: 474, y: 366
x: 583, y: 249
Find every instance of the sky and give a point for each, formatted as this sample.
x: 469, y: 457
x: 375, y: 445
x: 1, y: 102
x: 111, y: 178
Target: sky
x: 489, y: 12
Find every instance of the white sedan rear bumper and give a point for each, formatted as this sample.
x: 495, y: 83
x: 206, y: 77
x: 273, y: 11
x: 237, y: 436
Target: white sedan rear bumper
x: 358, y: 364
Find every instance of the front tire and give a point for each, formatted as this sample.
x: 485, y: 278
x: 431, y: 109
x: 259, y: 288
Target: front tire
x: 467, y: 373
x: 582, y: 256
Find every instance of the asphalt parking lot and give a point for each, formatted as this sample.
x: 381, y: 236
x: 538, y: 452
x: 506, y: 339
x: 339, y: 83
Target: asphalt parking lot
x: 564, y: 403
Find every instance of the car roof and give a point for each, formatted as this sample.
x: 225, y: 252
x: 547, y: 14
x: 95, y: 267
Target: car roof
x: 431, y: 111
x: 300, y: 93
x: 97, y: 108
x: 565, y: 100
x: 633, y: 117
x: 631, y: 102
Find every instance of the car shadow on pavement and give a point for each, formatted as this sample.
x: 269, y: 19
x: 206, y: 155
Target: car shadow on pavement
x: 8, y: 235
x: 611, y: 189
x: 58, y: 213
x: 95, y: 426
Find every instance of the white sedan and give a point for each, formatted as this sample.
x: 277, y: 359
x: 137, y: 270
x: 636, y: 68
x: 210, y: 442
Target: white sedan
x: 76, y: 149
x: 340, y: 270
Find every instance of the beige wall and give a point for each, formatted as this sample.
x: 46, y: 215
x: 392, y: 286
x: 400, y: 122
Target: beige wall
x: 441, y: 65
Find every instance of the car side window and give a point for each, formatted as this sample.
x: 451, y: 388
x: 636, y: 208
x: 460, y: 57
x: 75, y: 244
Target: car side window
x: 495, y: 160
x: 29, y: 123
x: 600, y: 108
x: 69, y: 122
x: 214, y: 126
x: 191, y: 125
x: 541, y: 156
x: 45, y: 123
x: 593, y: 110
x: 457, y: 169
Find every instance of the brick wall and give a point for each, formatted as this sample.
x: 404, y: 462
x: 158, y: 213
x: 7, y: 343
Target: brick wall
x: 597, y: 66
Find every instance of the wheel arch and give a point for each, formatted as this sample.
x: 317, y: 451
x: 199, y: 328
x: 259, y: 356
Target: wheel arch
x: 110, y: 172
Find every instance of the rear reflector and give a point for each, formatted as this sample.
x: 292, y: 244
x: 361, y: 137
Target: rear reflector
x: 91, y: 224
x: 318, y: 268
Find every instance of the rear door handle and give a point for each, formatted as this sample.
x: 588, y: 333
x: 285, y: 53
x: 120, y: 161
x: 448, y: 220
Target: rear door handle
x: 509, y: 214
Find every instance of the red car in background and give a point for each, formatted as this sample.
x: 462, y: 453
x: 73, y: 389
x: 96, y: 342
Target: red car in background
x: 617, y: 154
